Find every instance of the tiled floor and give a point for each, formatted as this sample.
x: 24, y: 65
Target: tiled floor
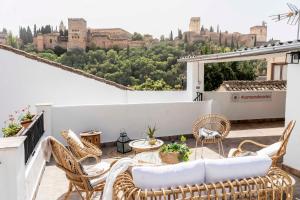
x: 54, y: 184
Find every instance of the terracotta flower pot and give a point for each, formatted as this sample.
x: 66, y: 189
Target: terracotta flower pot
x: 169, y: 158
x: 26, y: 123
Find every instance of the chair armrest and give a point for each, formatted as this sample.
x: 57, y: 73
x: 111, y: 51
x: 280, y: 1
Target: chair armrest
x: 240, y: 147
x: 88, y: 156
x: 91, y: 148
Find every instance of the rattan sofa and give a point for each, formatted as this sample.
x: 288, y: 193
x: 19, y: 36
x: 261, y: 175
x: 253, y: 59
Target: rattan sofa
x: 275, y: 184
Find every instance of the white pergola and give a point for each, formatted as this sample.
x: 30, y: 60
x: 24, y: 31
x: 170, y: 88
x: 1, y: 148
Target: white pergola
x: 195, y: 76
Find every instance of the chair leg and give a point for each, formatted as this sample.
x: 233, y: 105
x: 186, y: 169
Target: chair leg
x: 222, y: 148
x: 202, y: 148
x: 69, y: 191
x: 196, y: 149
x: 219, y: 148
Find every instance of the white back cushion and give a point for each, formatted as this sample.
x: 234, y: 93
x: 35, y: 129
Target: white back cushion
x: 156, y: 177
x: 73, y: 135
x: 270, y: 150
x: 236, y: 168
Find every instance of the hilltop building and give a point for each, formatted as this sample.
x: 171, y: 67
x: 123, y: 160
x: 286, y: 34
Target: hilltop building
x: 256, y: 37
x: 79, y: 36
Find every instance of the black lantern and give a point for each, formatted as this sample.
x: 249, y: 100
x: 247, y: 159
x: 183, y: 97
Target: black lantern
x: 293, y: 57
x: 123, y: 143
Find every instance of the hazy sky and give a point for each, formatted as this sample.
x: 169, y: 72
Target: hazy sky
x: 155, y: 17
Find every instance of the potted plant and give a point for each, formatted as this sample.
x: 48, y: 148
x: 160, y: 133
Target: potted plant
x: 12, y: 127
x: 26, y: 117
x: 175, y: 152
x: 151, y: 135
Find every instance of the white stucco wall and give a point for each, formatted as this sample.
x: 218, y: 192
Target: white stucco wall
x: 223, y: 104
x: 293, y: 113
x: 157, y: 96
x: 25, y: 82
x: 169, y: 118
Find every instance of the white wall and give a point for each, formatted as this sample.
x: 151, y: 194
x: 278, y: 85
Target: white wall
x: 25, y: 82
x: 169, y: 118
x: 157, y: 96
x: 223, y: 104
x: 293, y: 113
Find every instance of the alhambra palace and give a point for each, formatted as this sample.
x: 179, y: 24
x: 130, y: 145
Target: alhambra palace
x: 79, y: 36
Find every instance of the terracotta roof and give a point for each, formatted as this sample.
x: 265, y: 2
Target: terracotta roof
x: 252, y: 86
x: 64, y: 67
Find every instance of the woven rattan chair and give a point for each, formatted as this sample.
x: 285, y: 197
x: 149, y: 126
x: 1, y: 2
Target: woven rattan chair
x: 78, y: 151
x: 275, y: 185
x: 212, y: 122
x: 281, y: 151
x: 78, y: 179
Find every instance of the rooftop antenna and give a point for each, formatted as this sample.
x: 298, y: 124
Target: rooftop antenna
x: 292, y: 17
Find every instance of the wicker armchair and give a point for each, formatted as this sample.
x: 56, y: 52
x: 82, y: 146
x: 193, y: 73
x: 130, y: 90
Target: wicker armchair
x: 76, y: 173
x: 281, y: 151
x: 275, y: 185
x: 79, y: 151
x: 212, y: 122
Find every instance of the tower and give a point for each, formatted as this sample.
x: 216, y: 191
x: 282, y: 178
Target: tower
x: 62, y: 27
x: 260, y: 32
x: 77, y: 34
x: 195, y: 25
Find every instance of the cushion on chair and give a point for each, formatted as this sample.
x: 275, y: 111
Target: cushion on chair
x: 205, y: 133
x: 156, y: 177
x: 271, y: 150
x: 236, y: 168
x: 96, y: 169
x: 75, y: 138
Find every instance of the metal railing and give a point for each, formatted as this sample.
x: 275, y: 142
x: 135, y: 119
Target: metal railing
x: 33, y: 134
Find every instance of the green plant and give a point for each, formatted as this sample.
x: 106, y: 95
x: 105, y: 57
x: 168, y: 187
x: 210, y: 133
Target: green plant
x: 151, y: 131
x: 26, y: 114
x: 12, y: 127
x: 181, y: 148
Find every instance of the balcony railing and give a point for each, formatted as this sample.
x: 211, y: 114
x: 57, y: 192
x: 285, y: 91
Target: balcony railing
x: 33, y: 134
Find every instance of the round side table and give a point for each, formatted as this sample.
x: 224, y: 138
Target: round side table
x: 143, y: 145
x: 93, y: 137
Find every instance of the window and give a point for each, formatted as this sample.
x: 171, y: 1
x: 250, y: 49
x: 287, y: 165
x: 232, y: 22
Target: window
x: 279, y: 71
x: 50, y: 41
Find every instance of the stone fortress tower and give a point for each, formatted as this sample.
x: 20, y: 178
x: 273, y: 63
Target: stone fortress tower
x: 260, y: 32
x: 194, y: 25
x: 77, y: 33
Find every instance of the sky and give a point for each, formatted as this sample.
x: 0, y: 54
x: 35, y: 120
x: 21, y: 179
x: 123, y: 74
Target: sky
x: 156, y: 17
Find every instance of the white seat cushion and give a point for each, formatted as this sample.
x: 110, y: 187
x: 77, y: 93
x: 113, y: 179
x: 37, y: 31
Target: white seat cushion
x: 236, y: 168
x: 270, y: 150
x: 75, y: 138
x: 205, y: 133
x: 96, y: 169
x: 156, y: 177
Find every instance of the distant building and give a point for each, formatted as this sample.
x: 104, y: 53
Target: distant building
x: 194, y: 25
x: 256, y: 37
x: 79, y: 36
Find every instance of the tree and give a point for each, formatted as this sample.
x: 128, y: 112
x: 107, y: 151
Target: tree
x: 180, y: 34
x: 211, y: 29
x: 137, y: 36
x: 12, y: 40
x: 255, y: 41
x: 232, y: 43
x: 218, y: 28
x: 220, y: 38
x: 171, y: 36
x: 185, y: 38
x: 4, y: 30
x: 202, y: 28
x: 162, y: 38
x: 34, y: 30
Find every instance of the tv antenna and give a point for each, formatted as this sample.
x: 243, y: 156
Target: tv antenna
x: 292, y: 17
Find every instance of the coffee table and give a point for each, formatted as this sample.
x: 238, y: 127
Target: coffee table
x: 142, y: 145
